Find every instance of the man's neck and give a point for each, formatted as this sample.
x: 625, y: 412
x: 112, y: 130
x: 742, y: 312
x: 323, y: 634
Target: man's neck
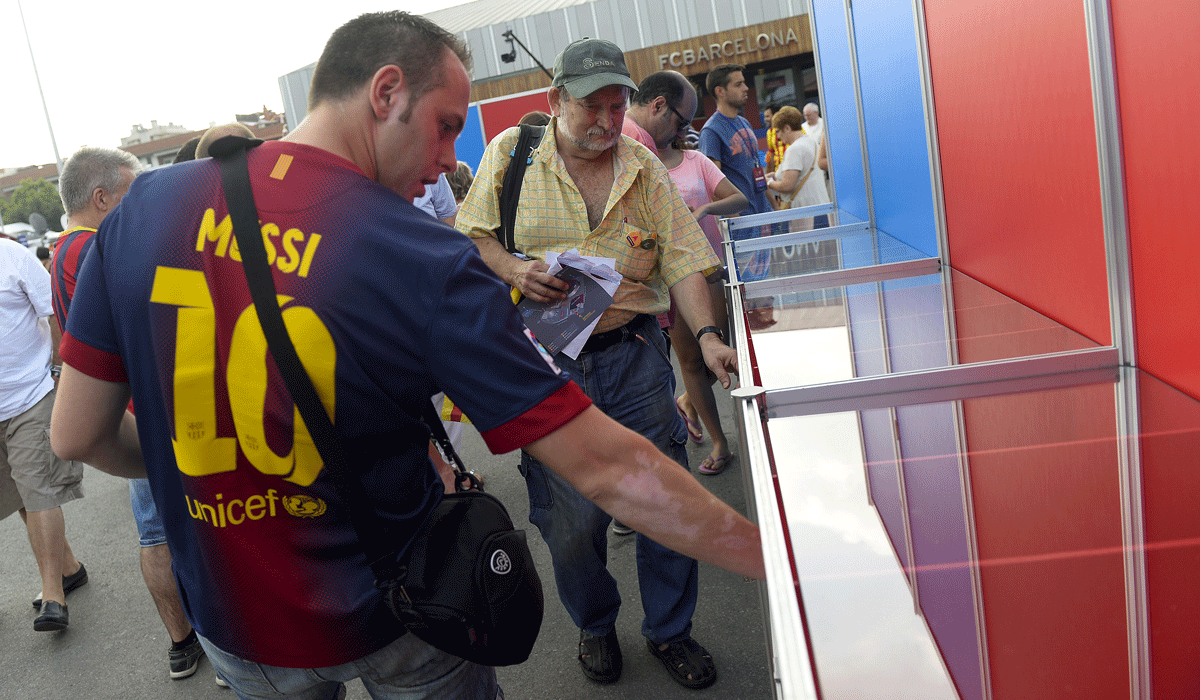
x: 638, y: 115
x: 328, y: 128
x: 727, y: 109
x: 84, y: 220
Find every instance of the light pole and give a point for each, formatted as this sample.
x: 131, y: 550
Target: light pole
x: 49, y: 126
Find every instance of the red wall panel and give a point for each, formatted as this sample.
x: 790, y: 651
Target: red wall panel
x: 1046, y: 495
x: 1012, y: 94
x: 500, y: 114
x: 1170, y: 451
x: 1158, y: 81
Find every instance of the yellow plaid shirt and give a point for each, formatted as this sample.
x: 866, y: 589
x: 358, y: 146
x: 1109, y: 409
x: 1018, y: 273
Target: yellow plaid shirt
x: 644, y: 204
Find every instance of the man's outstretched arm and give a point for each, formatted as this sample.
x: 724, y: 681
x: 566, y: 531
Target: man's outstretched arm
x: 624, y: 474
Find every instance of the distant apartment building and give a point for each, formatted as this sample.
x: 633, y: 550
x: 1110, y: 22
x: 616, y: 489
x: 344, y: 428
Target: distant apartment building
x: 155, y: 146
x: 139, y: 134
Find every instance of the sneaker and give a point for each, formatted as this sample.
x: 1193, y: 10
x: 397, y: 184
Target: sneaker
x: 620, y: 528
x: 184, y: 661
x: 221, y: 682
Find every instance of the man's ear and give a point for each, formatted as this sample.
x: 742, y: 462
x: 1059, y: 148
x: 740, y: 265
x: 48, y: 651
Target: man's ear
x: 100, y: 200
x: 388, y: 92
x: 552, y: 98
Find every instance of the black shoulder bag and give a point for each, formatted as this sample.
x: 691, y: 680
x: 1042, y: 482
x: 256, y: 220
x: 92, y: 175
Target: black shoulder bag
x: 467, y: 584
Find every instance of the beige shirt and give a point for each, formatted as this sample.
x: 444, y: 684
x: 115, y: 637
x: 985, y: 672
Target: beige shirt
x: 643, y: 206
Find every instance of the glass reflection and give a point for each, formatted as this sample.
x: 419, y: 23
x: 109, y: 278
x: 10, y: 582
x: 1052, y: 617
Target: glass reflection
x: 767, y: 247
x: 979, y: 548
x: 898, y: 325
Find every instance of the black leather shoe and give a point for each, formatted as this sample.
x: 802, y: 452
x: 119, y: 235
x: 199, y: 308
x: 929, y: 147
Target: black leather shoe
x: 53, y: 618
x: 70, y: 583
x: 600, y: 657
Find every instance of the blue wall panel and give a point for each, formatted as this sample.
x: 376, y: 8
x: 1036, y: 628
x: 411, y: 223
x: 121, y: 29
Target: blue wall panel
x: 470, y: 143
x: 837, y: 105
x: 890, y: 82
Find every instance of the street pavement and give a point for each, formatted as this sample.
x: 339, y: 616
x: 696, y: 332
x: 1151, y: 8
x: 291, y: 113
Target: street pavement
x: 116, y: 646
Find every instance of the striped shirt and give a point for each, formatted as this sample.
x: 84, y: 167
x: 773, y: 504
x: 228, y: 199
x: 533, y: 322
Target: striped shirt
x: 644, y: 205
x: 69, y: 251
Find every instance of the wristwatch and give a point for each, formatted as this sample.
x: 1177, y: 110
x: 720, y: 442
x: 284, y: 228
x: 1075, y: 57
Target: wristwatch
x: 709, y: 329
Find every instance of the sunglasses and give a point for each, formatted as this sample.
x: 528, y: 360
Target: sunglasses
x: 683, y: 122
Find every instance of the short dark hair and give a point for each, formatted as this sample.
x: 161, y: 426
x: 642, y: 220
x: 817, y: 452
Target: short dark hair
x: 666, y: 84
x: 369, y: 42
x: 719, y: 77
x: 187, y: 151
x: 535, y: 118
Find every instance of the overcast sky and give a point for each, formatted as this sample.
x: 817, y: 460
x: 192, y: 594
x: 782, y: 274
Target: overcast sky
x: 105, y: 66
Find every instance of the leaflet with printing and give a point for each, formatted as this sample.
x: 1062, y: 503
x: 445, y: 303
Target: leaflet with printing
x: 565, y: 325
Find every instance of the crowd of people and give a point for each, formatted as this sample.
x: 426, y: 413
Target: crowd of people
x: 166, y: 379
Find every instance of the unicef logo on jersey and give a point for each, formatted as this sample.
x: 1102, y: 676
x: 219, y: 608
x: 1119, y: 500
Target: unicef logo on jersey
x: 301, y: 506
x: 501, y: 563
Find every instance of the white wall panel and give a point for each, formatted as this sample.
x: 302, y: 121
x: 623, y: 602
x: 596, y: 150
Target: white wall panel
x: 702, y: 12
x: 754, y: 11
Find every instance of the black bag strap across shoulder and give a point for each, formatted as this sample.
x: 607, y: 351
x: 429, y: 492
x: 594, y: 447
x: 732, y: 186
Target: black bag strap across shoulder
x: 230, y: 151
x: 514, y: 177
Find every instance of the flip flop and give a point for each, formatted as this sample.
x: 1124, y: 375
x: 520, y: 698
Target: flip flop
x: 695, y: 432
x: 714, y: 465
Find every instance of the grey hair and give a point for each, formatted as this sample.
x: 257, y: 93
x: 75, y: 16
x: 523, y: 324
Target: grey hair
x: 91, y: 167
x: 814, y: 106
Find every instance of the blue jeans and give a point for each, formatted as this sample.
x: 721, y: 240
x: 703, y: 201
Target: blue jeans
x: 406, y: 669
x: 151, y: 531
x: 634, y: 384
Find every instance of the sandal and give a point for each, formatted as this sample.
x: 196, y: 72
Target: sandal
x: 600, y: 657
x: 689, y: 664
x: 695, y: 432
x: 714, y: 465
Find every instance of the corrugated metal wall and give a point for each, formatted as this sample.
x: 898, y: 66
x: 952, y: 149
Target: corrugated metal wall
x: 632, y: 25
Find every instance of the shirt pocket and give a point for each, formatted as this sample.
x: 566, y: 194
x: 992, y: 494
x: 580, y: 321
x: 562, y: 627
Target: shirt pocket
x: 638, y: 257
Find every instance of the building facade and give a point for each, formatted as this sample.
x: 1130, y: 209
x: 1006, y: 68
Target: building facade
x: 772, y: 38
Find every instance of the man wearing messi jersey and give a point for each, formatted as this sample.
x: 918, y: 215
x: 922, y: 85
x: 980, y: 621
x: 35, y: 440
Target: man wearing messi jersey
x: 590, y: 188
x: 93, y: 182
x: 386, y: 306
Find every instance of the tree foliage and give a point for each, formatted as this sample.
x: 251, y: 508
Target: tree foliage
x: 33, y: 195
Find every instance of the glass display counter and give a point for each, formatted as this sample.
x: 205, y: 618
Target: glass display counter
x: 952, y: 488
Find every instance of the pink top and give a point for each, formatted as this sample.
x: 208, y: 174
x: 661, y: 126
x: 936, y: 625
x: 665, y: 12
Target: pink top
x: 631, y: 129
x: 697, y: 178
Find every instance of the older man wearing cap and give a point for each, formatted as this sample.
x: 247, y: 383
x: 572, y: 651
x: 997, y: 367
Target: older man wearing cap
x: 588, y: 187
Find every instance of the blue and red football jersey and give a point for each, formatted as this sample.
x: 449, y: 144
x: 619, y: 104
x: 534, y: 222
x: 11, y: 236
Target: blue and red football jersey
x: 70, y: 248
x: 385, y: 307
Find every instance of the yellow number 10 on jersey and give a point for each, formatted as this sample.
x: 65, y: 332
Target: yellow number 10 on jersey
x: 199, y: 451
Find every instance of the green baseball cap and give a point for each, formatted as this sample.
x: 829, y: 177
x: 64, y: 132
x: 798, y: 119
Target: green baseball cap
x: 587, y: 65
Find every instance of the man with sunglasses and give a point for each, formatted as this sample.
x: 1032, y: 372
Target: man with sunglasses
x: 658, y: 108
